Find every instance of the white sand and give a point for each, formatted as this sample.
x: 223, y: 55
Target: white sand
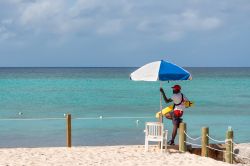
x: 243, y: 153
x: 102, y: 155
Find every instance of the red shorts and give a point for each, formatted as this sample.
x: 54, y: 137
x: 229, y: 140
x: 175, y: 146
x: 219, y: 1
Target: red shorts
x: 178, y: 113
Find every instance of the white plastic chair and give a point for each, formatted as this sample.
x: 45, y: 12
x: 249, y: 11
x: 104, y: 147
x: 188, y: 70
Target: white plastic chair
x: 154, y: 131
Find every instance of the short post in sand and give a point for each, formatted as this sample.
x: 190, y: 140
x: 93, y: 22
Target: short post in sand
x: 182, y: 138
x: 229, y: 146
x: 204, y: 142
x: 68, y: 130
x: 160, y: 121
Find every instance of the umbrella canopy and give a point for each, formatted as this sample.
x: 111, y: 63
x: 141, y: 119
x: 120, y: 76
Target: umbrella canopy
x: 160, y: 71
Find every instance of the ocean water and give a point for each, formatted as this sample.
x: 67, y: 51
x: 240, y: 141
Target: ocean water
x: 221, y: 95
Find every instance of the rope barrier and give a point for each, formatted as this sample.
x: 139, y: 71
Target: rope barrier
x: 192, y: 144
x: 215, y: 139
x: 231, y: 142
x: 115, y: 118
x: 30, y: 119
x: 90, y: 118
x: 243, y: 157
x: 191, y: 137
x: 235, y: 143
x: 216, y: 149
x: 226, y: 141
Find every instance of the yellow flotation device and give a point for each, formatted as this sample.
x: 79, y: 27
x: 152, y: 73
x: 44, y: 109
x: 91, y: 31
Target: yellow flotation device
x: 170, y: 108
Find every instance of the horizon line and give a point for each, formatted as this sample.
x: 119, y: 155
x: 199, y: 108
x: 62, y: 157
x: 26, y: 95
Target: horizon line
x: 117, y: 66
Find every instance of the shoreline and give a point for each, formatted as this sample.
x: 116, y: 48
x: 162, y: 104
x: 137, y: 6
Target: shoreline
x: 104, y: 155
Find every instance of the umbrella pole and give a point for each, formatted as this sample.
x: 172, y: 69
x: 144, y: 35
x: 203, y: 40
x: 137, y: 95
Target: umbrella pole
x: 161, y: 117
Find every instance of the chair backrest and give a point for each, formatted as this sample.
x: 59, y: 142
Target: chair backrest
x: 154, y: 129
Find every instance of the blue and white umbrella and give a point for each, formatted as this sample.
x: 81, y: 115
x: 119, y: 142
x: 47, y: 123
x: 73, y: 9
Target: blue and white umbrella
x: 160, y: 71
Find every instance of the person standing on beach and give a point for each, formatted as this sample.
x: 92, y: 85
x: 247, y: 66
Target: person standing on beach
x: 179, y: 105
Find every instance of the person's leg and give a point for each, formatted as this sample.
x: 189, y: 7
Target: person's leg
x: 174, y: 132
x: 176, y: 124
x: 168, y: 116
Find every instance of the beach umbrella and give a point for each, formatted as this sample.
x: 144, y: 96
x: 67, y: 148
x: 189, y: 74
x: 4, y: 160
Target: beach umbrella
x: 160, y: 71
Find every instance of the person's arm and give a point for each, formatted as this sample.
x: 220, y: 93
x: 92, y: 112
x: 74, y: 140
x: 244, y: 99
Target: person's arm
x: 167, y: 100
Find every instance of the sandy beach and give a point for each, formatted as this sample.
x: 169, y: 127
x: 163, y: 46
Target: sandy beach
x: 101, y: 155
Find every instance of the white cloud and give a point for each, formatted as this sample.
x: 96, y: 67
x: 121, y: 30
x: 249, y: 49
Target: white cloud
x: 58, y: 17
x: 110, y: 27
x: 191, y: 20
x: 97, y: 17
x: 53, y: 17
x: 86, y: 5
x: 172, y: 35
x: 7, y: 21
x: 5, y: 33
x: 174, y: 26
x: 41, y: 11
x: 211, y: 23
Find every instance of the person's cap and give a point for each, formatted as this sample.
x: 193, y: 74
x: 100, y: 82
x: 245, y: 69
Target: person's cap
x: 177, y: 87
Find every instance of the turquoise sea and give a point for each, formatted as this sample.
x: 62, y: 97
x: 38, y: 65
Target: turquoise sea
x: 221, y: 95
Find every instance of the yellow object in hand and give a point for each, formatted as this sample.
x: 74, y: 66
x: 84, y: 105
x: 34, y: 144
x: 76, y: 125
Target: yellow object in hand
x: 164, y: 111
x: 170, y: 108
x: 189, y: 104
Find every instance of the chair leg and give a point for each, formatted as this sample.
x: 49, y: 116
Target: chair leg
x: 165, y: 143
x: 146, y: 145
x: 162, y: 142
x: 165, y: 140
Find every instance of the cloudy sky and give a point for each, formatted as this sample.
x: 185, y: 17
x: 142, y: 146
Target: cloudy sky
x: 124, y: 32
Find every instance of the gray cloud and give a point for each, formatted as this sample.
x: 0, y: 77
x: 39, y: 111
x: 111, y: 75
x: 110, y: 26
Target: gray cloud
x: 5, y: 34
x: 78, y: 32
x: 165, y: 19
x: 174, y: 26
